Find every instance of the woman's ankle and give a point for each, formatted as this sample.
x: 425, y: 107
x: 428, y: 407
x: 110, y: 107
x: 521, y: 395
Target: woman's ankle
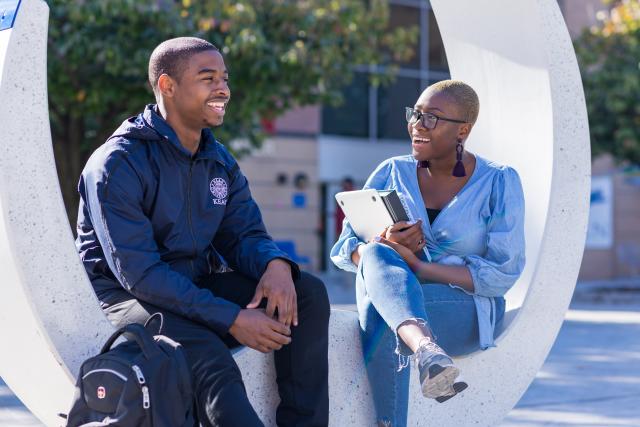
x: 413, y: 331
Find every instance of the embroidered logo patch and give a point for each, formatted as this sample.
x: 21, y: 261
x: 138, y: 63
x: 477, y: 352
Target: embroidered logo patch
x: 219, y: 190
x: 101, y: 392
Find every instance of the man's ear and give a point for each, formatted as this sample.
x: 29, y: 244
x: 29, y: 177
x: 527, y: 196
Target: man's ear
x: 166, y: 85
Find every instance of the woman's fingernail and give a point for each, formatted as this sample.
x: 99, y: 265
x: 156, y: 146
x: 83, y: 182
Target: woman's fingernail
x: 377, y: 238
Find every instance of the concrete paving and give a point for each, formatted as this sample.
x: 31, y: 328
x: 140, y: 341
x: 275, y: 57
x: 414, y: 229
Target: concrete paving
x: 12, y: 411
x: 590, y: 379
x: 592, y: 375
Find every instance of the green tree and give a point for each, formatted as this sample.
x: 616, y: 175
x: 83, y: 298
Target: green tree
x: 280, y: 54
x: 609, y: 57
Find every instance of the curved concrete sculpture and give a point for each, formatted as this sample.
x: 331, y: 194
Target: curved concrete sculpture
x: 49, y: 317
x: 517, y: 55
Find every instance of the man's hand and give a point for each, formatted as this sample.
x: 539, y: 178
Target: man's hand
x: 277, y: 286
x: 407, y: 234
x: 254, y: 329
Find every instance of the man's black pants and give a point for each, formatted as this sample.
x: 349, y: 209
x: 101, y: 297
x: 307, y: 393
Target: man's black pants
x: 221, y: 399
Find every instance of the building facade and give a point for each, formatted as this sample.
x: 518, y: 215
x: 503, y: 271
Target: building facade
x: 318, y: 151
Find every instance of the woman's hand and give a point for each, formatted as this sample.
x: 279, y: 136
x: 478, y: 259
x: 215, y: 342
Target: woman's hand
x: 407, y: 254
x: 406, y: 234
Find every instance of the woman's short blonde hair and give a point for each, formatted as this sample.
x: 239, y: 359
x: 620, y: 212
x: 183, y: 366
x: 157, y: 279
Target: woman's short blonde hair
x: 462, y: 95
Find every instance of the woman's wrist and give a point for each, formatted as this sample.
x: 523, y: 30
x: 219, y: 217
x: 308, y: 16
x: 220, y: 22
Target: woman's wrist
x: 417, y: 266
x: 356, y: 254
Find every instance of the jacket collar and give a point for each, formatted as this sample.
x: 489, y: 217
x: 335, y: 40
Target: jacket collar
x: 208, y: 148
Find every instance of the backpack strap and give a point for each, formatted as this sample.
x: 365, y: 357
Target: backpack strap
x: 140, y: 335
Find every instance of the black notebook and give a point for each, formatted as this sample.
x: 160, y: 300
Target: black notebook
x: 394, y: 205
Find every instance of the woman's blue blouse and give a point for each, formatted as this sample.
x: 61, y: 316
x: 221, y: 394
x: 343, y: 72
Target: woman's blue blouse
x: 482, y: 227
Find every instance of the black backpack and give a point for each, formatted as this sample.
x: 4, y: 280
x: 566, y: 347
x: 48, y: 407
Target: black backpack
x: 144, y: 381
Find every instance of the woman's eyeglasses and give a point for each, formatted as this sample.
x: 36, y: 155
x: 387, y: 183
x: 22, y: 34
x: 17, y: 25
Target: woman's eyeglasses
x: 429, y: 120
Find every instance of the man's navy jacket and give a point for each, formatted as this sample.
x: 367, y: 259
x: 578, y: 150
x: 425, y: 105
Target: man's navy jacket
x: 154, y: 220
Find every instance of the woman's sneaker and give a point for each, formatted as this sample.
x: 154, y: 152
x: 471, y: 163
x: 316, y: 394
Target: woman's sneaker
x: 458, y: 387
x: 437, y: 372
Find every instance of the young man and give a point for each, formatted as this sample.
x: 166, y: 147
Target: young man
x: 164, y: 209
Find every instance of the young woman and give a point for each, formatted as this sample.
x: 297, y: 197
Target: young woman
x: 468, y: 214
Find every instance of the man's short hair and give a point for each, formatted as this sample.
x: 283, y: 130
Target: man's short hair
x: 171, y: 57
x: 462, y: 95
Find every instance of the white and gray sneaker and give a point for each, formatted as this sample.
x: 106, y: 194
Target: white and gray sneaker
x: 438, y: 374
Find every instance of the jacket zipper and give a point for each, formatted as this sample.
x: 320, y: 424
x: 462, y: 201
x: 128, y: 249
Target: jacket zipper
x: 193, y: 238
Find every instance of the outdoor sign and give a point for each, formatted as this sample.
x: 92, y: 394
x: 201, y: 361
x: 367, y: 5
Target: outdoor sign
x: 8, y: 9
x: 600, y: 231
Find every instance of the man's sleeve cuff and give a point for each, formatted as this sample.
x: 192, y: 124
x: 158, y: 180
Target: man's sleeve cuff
x: 225, y: 317
x: 295, y: 268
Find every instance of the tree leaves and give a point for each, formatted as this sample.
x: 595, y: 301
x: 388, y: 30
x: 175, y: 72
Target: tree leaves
x: 279, y: 53
x: 609, y: 57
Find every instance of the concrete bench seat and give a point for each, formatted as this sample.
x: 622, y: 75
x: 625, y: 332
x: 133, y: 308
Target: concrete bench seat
x: 519, y: 58
x: 349, y: 388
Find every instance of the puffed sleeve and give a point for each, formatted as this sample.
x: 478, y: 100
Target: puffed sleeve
x: 348, y: 241
x: 497, y: 270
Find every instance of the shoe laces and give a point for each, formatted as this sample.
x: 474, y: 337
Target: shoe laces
x: 427, y: 349
x: 426, y: 344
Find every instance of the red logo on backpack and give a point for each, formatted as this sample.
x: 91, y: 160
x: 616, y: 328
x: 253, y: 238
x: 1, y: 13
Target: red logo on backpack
x: 102, y: 393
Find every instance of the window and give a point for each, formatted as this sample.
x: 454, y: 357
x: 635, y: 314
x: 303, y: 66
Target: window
x: 351, y: 118
x: 437, y: 56
x: 405, y: 17
x: 378, y: 112
x: 391, y: 102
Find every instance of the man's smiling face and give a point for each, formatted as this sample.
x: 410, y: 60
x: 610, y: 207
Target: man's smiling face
x: 202, y: 91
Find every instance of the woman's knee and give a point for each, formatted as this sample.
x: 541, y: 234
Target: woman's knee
x: 377, y: 252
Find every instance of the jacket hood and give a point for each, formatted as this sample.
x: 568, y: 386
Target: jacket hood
x: 150, y: 126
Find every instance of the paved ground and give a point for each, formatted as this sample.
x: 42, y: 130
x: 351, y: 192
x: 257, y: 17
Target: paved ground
x: 12, y: 411
x: 592, y: 375
x: 590, y: 379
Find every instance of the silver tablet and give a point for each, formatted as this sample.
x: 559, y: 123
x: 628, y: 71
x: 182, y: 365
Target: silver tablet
x: 365, y: 211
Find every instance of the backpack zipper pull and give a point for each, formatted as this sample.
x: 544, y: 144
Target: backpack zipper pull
x: 146, y: 402
x: 138, y: 372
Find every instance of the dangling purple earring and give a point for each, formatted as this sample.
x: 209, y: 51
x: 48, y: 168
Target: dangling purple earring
x: 458, y: 169
x: 423, y: 163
